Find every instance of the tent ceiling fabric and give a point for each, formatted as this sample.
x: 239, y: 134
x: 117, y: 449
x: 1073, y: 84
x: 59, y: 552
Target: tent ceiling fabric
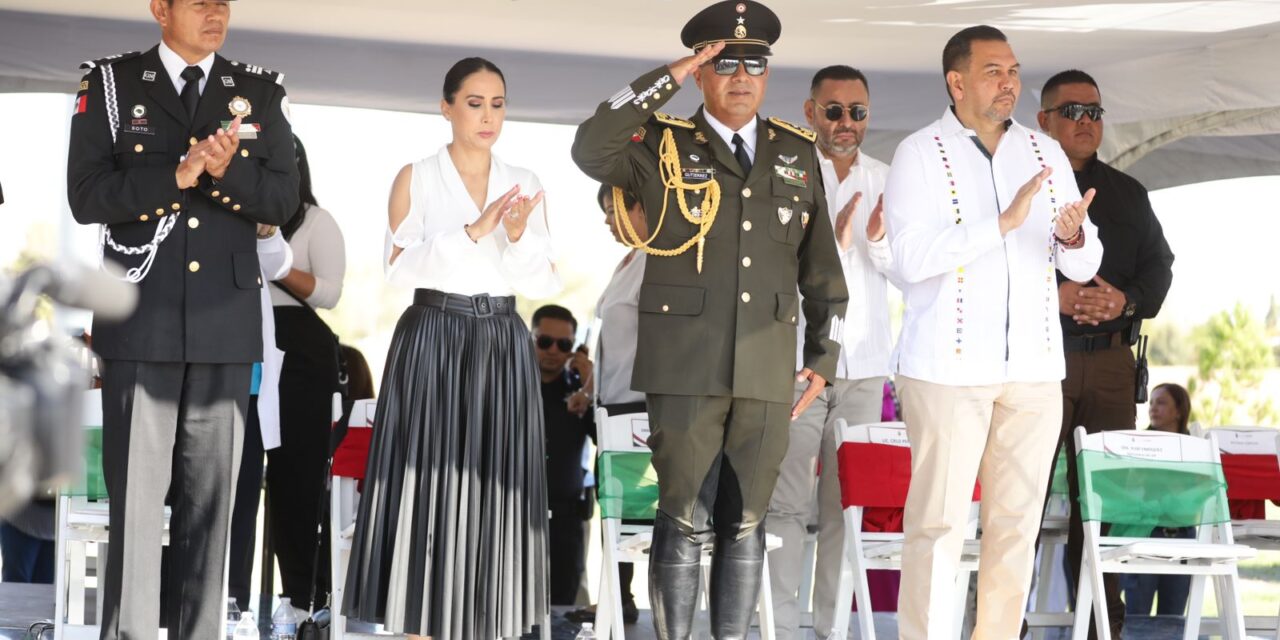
x: 1192, y: 80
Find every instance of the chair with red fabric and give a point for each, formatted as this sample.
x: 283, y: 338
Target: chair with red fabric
x: 344, y: 498
x: 875, y: 472
x: 1251, y: 464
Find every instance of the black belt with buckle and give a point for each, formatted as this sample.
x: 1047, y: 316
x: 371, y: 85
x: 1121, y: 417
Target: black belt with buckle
x: 1089, y: 344
x: 480, y: 305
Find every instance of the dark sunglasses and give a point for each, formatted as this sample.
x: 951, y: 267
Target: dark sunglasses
x: 1075, y: 111
x: 545, y: 342
x: 857, y: 112
x: 729, y: 66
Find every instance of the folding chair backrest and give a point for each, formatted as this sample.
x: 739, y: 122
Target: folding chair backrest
x: 1058, y: 485
x: 353, y: 453
x: 627, y: 485
x: 1138, y: 480
x: 1250, y: 461
x: 875, y: 464
x: 91, y: 484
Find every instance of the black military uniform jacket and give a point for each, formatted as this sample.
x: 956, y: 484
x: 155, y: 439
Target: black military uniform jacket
x: 729, y: 330
x: 200, y: 299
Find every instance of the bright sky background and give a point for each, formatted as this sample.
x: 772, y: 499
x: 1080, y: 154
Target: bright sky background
x: 1223, y: 233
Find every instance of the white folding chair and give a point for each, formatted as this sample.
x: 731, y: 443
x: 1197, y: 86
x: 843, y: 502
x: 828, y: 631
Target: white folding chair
x: 343, y: 503
x: 82, y: 519
x: 1256, y: 451
x: 864, y: 551
x: 1135, y: 466
x: 623, y: 443
x: 1049, y: 603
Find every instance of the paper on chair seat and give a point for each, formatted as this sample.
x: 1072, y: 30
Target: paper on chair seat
x: 1160, y: 550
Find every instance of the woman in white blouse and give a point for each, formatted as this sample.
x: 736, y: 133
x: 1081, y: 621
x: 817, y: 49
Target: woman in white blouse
x: 450, y: 541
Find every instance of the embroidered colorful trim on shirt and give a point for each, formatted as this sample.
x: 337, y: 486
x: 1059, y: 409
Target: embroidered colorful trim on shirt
x: 1050, y: 293
x: 955, y: 208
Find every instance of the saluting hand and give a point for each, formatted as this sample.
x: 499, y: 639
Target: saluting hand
x: 680, y: 69
x: 844, y: 222
x: 1016, y: 214
x: 816, y: 384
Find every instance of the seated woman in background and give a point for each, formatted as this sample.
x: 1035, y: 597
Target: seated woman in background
x: 1169, y: 410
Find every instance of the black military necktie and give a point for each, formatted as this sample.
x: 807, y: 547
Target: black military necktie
x: 740, y: 152
x: 191, y: 90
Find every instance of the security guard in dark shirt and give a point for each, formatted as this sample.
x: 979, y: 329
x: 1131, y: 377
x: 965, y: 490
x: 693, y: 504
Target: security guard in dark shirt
x: 1100, y: 319
x: 183, y: 157
x: 739, y: 219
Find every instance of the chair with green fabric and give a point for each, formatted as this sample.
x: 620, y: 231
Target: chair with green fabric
x: 1138, y: 480
x: 627, y: 492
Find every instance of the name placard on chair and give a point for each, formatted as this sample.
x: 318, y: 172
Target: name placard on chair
x: 888, y: 435
x: 1247, y: 442
x: 640, y: 431
x: 1143, y: 447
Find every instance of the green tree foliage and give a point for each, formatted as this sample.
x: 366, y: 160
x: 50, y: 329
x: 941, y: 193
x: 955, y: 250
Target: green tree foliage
x: 1232, y: 355
x: 1169, y: 345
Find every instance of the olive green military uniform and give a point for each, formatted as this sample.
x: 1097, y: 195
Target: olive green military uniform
x: 716, y: 349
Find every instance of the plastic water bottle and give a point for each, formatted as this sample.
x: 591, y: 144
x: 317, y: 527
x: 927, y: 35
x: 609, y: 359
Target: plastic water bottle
x: 233, y: 618
x: 588, y: 632
x: 284, y: 623
x: 247, y: 627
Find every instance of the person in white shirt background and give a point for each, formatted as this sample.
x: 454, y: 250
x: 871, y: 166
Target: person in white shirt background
x: 838, y: 110
x: 980, y: 212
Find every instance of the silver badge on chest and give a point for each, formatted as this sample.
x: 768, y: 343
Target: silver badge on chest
x: 784, y: 214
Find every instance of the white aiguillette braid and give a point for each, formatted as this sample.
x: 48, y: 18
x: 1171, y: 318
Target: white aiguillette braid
x: 138, y: 273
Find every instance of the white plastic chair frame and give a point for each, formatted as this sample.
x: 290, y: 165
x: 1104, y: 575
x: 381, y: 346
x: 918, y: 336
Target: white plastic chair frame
x: 1213, y: 553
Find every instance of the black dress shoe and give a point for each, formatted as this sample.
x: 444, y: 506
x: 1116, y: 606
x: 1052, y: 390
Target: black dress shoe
x: 630, y: 613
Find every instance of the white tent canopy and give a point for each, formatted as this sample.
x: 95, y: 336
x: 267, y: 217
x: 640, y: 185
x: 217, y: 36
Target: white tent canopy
x: 1191, y: 87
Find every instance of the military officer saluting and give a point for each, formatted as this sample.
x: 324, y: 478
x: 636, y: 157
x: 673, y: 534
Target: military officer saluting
x: 184, y: 158
x: 739, y: 220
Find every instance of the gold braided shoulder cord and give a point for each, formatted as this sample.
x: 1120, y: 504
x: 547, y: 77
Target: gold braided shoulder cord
x: 672, y: 178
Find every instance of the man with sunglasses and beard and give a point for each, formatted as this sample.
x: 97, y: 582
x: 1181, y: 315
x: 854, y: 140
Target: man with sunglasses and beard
x: 737, y: 223
x: 981, y: 213
x: 838, y: 108
x: 1101, y: 318
x: 566, y: 375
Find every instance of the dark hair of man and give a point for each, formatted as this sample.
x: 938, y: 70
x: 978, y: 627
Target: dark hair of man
x: 461, y: 70
x: 1048, y: 95
x: 606, y: 191
x: 837, y: 72
x: 306, y: 199
x: 555, y: 312
x: 959, y: 48
x: 1181, y: 402
x: 359, y: 377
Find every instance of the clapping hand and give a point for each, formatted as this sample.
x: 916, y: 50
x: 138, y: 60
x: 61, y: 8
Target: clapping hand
x: 844, y: 222
x: 1071, y: 216
x: 1016, y: 214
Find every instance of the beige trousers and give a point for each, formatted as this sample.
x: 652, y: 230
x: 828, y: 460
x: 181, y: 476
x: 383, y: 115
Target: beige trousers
x: 1004, y: 436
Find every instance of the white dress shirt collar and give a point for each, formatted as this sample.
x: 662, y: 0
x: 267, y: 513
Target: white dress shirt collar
x: 748, y: 132
x: 174, y: 65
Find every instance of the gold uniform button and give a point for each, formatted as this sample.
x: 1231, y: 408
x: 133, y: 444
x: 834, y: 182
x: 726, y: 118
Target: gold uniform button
x: 746, y: 297
x: 175, y: 206
x: 159, y: 211
x: 244, y: 153
x: 193, y: 222
x: 226, y: 199
x: 657, y: 96
x: 192, y: 141
x: 666, y: 308
x: 137, y: 148
x: 144, y: 217
x: 193, y: 267
x: 746, y: 225
x: 216, y: 193
x: 746, y: 193
x: 796, y: 198
x: 793, y: 318
x: 259, y: 280
x: 235, y: 208
x: 644, y: 105
x: 746, y: 262
x: 668, y: 86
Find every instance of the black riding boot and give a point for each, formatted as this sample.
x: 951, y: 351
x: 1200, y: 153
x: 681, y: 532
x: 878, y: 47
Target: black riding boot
x: 736, y: 572
x: 673, y: 580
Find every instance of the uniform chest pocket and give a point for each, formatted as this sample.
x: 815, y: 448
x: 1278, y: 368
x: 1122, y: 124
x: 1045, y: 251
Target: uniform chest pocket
x: 247, y: 273
x: 139, y: 150
x: 671, y: 299
x: 254, y: 149
x: 789, y: 212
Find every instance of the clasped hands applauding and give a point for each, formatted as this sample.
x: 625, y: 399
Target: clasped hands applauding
x: 512, y: 210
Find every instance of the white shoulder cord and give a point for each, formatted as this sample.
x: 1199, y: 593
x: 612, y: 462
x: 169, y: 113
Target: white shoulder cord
x: 135, y: 274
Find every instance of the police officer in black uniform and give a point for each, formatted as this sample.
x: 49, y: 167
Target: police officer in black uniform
x: 740, y: 223
x: 183, y: 157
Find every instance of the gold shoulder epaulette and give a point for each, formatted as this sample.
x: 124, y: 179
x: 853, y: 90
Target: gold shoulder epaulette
x: 798, y: 130
x: 673, y: 121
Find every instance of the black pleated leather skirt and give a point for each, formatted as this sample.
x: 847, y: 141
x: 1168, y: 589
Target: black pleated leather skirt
x: 451, y: 536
